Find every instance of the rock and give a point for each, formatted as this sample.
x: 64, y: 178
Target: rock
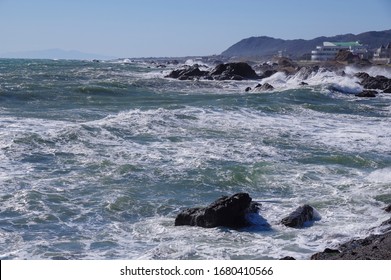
x: 288, y: 258
x: 367, y: 93
x: 232, y: 71
x: 226, y: 211
x: 247, y: 89
x: 298, y: 217
x: 268, y: 73
x: 345, y: 55
x: 267, y: 86
x: 187, y: 73
x: 378, y: 82
x: 303, y: 84
x: 388, y: 208
x: 258, y: 86
x: 387, y: 90
x: 264, y: 87
x: 306, y: 71
x: 286, y: 62
x: 374, y: 247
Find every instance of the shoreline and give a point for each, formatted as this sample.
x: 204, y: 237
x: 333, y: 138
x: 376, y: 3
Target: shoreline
x: 373, y: 247
x: 359, y: 82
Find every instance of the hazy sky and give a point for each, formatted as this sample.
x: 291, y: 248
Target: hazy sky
x: 134, y: 28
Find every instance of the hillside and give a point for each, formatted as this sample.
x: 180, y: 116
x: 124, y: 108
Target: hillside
x: 267, y: 46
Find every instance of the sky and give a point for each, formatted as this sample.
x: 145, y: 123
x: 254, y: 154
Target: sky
x: 156, y: 28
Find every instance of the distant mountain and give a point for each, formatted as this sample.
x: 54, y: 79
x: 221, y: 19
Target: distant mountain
x: 54, y: 54
x: 267, y: 46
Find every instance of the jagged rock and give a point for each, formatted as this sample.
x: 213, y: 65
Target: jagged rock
x: 232, y: 71
x: 267, y: 73
x: 226, y: 211
x: 367, y: 93
x: 286, y: 62
x: 267, y: 86
x: 304, y: 84
x: 298, y: 217
x: 378, y: 82
x: 305, y: 71
x: 247, y: 89
x: 345, y: 55
x: 388, y: 208
x: 187, y: 73
x: 374, y: 247
x: 264, y: 87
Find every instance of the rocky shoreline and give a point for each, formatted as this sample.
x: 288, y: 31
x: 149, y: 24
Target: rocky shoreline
x: 238, y: 71
x: 232, y: 212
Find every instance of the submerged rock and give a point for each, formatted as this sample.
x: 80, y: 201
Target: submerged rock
x: 225, y: 211
x: 297, y: 218
x: 367, y: 93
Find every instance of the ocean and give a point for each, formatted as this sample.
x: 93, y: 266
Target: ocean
x: 97, y: 159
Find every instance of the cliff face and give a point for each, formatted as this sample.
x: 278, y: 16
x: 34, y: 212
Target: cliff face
x: 267, y: 46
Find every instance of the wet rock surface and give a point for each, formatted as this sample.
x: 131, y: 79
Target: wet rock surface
x: 299, y: 217
x: 374, y: 247
x: 225, y: 71
x: 225, y: 211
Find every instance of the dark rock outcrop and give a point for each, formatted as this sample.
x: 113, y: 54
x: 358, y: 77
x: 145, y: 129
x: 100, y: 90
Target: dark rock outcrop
x: 288, y: 258
x: 388, y: 208
x: 226, y: 211
x: 378, y: 82
x: 374, y: 247
x: 187, y: 73
x: 229, y: 71
x: 268, y: 73
x: 298, y: 217
x: 264, y: 87
x: 233, y: 71
x: 367, y: 93
x: 346, y: 56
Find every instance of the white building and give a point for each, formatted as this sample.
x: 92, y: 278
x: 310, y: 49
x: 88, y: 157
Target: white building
x: 330, y: 49
x: 383, y: 54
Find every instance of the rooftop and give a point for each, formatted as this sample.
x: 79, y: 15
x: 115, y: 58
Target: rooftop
x: 341, y: 44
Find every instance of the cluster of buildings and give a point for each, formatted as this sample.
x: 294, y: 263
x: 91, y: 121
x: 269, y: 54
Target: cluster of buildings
x: 329, y: 50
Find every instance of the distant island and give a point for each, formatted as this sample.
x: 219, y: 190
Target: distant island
x: 266, y: 47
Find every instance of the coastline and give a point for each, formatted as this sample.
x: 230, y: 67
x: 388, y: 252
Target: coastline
x: 354, y: 76
x: 373, y: 247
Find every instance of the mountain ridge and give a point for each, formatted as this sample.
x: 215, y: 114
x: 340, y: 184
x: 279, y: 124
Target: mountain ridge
x: 265, y: 46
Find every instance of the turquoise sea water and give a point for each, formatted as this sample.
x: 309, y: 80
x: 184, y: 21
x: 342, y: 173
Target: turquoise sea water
x: 96, y: 160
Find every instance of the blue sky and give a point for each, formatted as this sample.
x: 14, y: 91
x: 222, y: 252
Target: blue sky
x: 136, y: 28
